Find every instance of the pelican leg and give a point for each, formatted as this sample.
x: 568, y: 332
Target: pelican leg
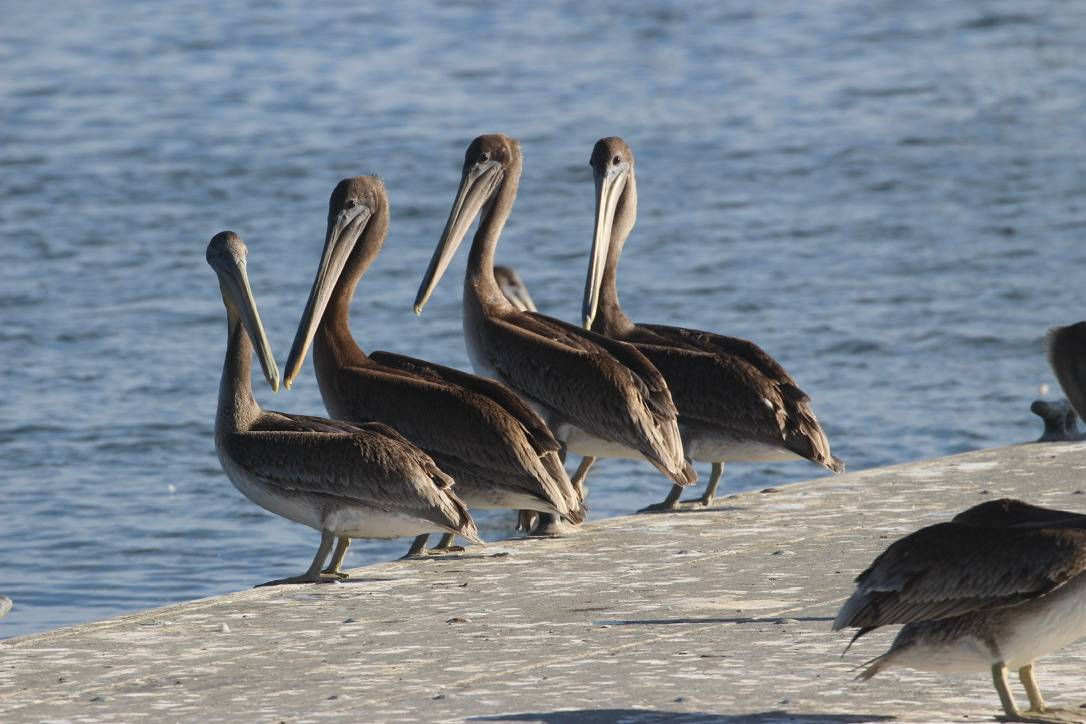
x: 710, y: 490
x: 549, y: 526
x: 581, y: 474
x: 671, y: 502
x: 1011, y: 712
x: 526, y: 519
x: 337, y: 558
x: 418, y: 546
x: 445, y: 545
x: 313, y: 575
x: 1037, y: 702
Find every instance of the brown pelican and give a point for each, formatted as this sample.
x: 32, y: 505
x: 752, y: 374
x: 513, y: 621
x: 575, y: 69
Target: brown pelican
x: 514, y: 289
x: 999, y: 586
x: 500, y: 452
x: 602, y: 398
x: 345, y: 480
x: 735, y: 401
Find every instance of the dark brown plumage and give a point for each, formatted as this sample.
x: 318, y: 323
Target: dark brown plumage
x: 997, y: 587
x: 592, y: 391
x: 735, y: 402
x: 496, y: 448
x: 345, y: 480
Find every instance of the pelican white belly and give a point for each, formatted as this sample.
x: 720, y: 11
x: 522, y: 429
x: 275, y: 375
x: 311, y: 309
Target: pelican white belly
x: 710, y: 448
x: 584, y: 443
x: 360, y: 521
x: 298, y: 508
x: 1045, y: 624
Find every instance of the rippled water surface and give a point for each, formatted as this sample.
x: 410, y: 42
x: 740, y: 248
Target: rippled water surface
x: 888, y: 197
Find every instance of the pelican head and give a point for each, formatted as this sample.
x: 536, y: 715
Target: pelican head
x: 487, y: 161
x: 226, y: 253
x: 514, y: 288
x: 613, y: 167
x: 350, y: 208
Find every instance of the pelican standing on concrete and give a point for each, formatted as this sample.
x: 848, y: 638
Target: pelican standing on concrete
x: 500, y: 452
x: 735, y: 401
x: 602, y: 398
x: 1001, y: 585
x: 347, y: 481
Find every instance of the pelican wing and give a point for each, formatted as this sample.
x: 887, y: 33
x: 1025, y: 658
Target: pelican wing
x: 721, y: 391
x: 747, y: 377
x: 565, y: 369
x: 448, y: 420
x: 541, y: 437
x: 950, y: 569
x: 733, y: 346
x: 645, y: 373
x: 367, y: 467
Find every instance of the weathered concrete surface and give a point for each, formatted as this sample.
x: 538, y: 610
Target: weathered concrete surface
x: 718, y: 615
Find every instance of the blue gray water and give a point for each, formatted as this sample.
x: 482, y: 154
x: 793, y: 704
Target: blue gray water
x: 889, y: 197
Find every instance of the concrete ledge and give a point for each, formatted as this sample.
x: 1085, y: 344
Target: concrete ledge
x: 719, y: 615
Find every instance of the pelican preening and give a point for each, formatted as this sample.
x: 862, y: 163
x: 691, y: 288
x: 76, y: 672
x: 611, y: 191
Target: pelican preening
x: 601, y: 397
x: 346, y: 481
x: 999, y: 586
x: 499, y: 452
x: 735, y: 401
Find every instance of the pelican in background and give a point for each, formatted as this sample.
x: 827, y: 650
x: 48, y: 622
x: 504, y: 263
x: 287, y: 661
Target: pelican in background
x: 1061, y: 422
x: 347, y: 481
x: 999, y: 586
x: 735, y: 401
x: 514, y: 289
x: 601, y: 397
x: 500, y: 452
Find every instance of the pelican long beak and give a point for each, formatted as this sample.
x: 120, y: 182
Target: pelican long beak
x: 339, y: 241
x: 477, y: 186
x: 234, y: 283
x: 609, y: 188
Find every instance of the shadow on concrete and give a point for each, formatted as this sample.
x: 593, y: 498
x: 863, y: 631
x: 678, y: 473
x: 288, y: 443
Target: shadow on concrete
x: 648, y: 716
x: 693, y: 509
x: 729, y: 619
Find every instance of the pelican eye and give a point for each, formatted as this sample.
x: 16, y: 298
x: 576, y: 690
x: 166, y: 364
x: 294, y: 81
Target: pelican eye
x: 616, y: 160
x: 484, y: 157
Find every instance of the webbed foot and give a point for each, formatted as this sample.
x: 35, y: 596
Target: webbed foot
x: 335, y: 573
x: 304, y: 578
x: 549, y: 526
x: 664, y: 506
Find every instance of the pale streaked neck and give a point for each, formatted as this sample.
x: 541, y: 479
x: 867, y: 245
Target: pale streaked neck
x: 479, y: 280
x: 610, y: 320
x: 238, y: 408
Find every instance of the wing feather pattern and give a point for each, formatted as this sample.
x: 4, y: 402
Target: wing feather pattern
x: 953, y: 568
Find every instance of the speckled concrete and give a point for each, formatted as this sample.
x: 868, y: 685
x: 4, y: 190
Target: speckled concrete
x: 718, y: 615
